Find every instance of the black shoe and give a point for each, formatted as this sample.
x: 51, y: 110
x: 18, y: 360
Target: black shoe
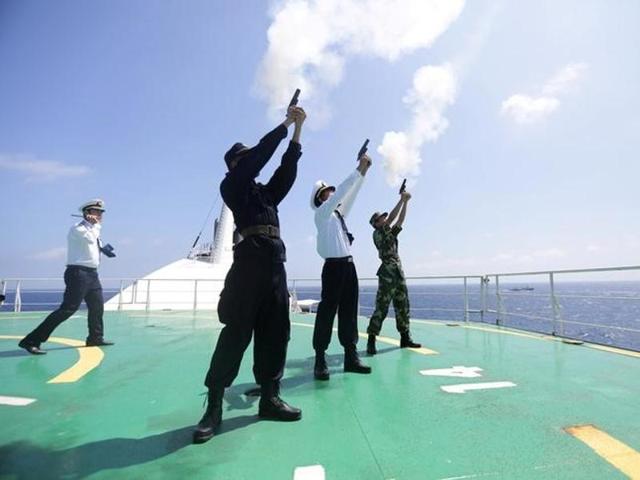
x: 98, y: 343
x: 210, y: 421
x: 31, y: 348
x: 320, y: 370
x: 406, y: 341
x: 371, y: 345
x: 353, y: 364
x: 272, y: 407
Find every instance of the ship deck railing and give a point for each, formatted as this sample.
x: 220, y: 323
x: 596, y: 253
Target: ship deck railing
x: 486, y: 298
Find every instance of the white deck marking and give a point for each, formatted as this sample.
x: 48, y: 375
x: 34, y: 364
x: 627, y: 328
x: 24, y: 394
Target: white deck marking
x: 16, y: 401
x: 465, y: 387
x: 311, y: 472
x: 456, y: 371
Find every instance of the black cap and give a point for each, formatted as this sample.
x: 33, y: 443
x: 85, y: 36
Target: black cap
x: 234, y: 151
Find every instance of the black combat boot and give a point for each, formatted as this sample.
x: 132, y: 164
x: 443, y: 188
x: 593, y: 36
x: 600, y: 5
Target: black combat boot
x: 320, y: 369
x: 405, y: 341
x: 371, y: 345
x: 210, y: 422
x: 272, y: 407
x: 352, y: 362
x: 31, y: 348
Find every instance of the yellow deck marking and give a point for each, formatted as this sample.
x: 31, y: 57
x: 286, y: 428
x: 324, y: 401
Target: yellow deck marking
x: 90, y: 358
x: 619, y: 351
x: 618, y: 454
x: 390, y: 341
x: 535, y: 336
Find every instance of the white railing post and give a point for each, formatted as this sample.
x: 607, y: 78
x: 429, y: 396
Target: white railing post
x: 195, y: 295
x: 499, y: 306
x: 558, y: 327
x: 466, y: 301
x: 17, y: 302
x: 120, y: 296
x: 483, y: 296
x: 293, y: 300
x: 148, y: 305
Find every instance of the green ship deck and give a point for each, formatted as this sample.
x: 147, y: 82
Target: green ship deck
x: 127, y: 411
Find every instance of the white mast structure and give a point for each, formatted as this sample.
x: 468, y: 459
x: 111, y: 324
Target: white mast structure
x: 192, y: 283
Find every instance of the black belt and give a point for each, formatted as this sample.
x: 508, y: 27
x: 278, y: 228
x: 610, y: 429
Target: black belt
x: 267, y: 230
x: 82, y: 267
x: 348, y: 259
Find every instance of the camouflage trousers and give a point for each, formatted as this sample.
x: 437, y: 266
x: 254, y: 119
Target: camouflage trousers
x: 391, y: 287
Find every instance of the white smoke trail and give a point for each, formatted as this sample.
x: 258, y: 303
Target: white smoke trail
x: 310, y: 41
x: 433, y: 90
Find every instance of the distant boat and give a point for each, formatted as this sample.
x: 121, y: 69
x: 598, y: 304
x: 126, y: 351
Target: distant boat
x: 521, y: 289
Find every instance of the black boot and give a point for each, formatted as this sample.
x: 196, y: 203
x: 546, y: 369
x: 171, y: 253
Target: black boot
x: 273, y: 407
x: 210, y: 422
x: 320, y: 370
x: 100, y: 342
x: 371, y: 345
x: 405, y: 341
x: 352, y: 362
x: 31, y: 348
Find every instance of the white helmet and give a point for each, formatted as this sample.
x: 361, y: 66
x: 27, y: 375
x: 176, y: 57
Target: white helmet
x: 319, y: 187
x: 96, y: 203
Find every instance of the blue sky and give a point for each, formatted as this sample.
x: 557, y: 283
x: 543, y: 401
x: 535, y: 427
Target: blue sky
x: 136, y: 102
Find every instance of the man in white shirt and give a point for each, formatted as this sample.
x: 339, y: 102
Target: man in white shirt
x: 81, y: 281
x: 339, y: 277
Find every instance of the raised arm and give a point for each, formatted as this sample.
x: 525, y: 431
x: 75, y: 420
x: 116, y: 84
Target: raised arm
x: 342, y: 190
x: 393, y: 213
x: 282, y: 179
x: 86, y: 231
x: 403, y: 212
x: 347, y: 200
x: 250, y: 165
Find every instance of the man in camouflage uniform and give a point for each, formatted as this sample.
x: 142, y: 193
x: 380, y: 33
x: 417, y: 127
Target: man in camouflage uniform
x: 391, y: 282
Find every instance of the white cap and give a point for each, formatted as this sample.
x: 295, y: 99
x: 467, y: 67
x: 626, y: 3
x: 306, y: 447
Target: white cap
x: 319, y: 187
x: 96, y: 203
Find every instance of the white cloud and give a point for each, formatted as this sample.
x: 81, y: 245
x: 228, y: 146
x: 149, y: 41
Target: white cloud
x: 523, y: 108
x: 311, y: 40
x: 41, y: 170
x: 526, y: 109
x: 55, y: 253
x: 433, y: 90
x: 565, y: 79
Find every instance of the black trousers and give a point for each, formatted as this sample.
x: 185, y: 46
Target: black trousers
x: 82, y: 283
x: 339, y: 293
x: 254, y: 301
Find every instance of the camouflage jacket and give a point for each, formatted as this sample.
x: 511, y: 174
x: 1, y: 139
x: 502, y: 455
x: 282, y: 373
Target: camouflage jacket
x: 386, y: 241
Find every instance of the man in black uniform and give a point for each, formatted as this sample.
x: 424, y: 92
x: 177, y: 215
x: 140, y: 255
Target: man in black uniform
x: 255, y: 298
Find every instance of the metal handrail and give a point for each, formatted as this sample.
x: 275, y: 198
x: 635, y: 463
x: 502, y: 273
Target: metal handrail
x: 138, y: 295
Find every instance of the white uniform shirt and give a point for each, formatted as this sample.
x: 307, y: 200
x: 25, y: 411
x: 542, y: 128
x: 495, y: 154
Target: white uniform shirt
x: 82, y: 245
x: 332, y: 241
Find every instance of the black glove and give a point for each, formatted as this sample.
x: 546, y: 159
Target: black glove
x: 108, y: 250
